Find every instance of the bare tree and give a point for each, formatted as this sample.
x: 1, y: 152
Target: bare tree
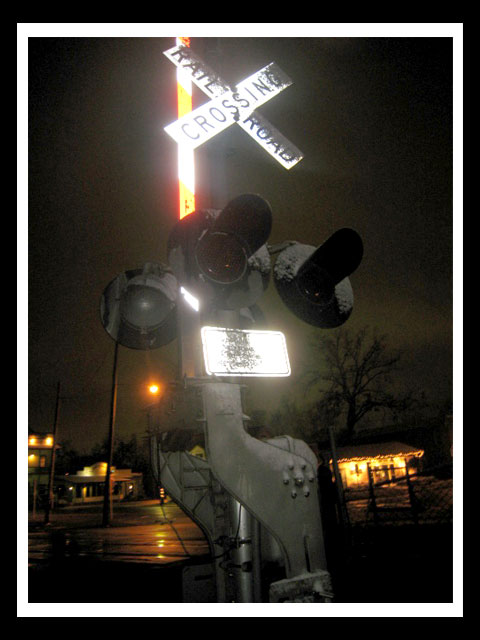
x: 354, y: 375
x: 290, y: 419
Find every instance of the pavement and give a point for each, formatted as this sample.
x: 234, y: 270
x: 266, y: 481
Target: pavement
x: 125, y: 514
x: 140, y: 557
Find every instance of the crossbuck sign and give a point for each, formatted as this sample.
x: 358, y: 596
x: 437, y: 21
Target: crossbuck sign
x: 229, y: 106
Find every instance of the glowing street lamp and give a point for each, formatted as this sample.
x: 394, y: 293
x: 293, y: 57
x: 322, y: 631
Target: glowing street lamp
x: 154, y: 408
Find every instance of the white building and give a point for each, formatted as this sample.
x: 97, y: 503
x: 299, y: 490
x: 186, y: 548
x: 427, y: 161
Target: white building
x: 88, y: 485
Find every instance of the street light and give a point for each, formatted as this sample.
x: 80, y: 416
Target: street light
x: 154, y: 389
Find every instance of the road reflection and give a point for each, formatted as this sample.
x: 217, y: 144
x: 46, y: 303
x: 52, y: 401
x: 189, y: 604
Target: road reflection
x: 170, y: 536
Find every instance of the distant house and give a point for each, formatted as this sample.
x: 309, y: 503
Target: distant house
x: 88, y: 485
x: 387, y: 460
x: 40, y: 447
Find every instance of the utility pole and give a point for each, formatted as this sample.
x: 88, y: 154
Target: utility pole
x: 107, y: 502
x: 345, y: 520
x: 50, y: 499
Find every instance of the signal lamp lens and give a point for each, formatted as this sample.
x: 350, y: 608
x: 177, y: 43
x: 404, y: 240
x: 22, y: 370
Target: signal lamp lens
x: 316, y: 285
x: 143, y: 307
x: 221, y: 257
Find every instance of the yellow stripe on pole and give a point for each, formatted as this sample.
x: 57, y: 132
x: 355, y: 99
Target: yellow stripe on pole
x: 184, y: 100
x: 187, y: 200
x: 186, y: 166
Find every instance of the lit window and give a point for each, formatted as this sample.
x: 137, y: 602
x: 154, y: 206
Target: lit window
x: 43, y: 460
x: 49, y: 441
x: 32, y: 440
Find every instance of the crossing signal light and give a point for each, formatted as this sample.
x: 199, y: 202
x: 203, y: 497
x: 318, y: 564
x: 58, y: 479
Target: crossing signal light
x: 219, y: 261
x: 137, y: 308
x: 221, y: 256
x: 313, y: 282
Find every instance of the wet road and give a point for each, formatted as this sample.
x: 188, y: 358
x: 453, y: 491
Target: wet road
x: 139, y: 558
x: 140, y: 532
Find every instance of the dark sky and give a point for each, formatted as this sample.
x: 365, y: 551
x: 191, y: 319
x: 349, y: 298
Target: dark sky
x: 373, y: 117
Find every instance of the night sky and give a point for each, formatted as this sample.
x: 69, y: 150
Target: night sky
x: 373, y: 117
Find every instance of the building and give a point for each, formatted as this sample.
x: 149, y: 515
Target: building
x: 88, y: 485
x: 40, y: 448
x: 386, y: 460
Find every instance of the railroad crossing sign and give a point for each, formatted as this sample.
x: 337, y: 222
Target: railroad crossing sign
x: 229, y: 106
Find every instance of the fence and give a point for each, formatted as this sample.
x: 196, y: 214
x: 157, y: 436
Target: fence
x: 396, y: 543
x: 417, y: 498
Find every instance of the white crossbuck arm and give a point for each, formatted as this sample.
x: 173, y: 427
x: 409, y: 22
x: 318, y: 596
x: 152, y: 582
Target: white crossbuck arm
x: 229, y: 106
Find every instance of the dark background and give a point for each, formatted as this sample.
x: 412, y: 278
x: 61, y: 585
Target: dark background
x: 373, y: 117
